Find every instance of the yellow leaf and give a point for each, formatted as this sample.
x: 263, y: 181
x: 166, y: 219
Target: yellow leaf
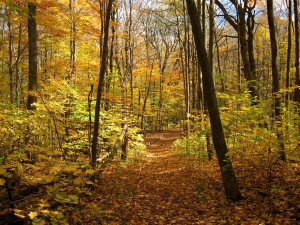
x: 78, y: 181
x: 44, y: 205
x: 44, y: 157
x: 32, y: 215
x: 45, y: 212
x: 18, y: 213
x: 90, y: 171
x: 2, y: 171
x: 71, y: 169
x: 2, y: 182
x: 49, y: 178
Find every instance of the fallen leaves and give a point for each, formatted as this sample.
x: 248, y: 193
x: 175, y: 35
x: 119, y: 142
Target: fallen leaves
x: 170, y: 189
x: 166, y: 188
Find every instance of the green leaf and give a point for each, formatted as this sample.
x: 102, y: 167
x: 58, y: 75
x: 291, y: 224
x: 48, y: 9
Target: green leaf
x: 73, y: 199
x: 276, y: 190
x: 60, y: 196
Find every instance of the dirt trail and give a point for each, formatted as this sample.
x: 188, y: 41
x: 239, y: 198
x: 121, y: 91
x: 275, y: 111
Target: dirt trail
x: 163, y: 190
x: 164, y: 187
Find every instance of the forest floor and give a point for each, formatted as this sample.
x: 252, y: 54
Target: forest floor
x: 166, y: 187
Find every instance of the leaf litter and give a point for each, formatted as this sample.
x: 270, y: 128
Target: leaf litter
x: 166, y: 187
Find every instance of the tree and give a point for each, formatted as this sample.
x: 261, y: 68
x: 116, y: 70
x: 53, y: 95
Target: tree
x: 244, y: 26
x: 32, y: 39
x: 275, y: 76
x: 129, y: 53
x: 211, y: 60
x: 103, y: 67
x: 297, y: 50
x: 72, y: 8
x: 289, y: 50
x: 229, y: 180
x: 162, y: 41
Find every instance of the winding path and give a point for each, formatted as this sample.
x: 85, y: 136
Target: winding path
x: 160, y: 189
x: 164, y: 188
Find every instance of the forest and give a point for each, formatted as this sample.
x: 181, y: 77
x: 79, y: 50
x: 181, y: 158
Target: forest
x: 149, y: 112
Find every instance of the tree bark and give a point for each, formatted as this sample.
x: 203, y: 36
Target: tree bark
x: 18, y: 82
x: 229, y: 180
x: 72, y: 39
x: 103, y: 67
x: 211, y: 60
x: 211, y: 33
x: 275, y: 76
x: 32, y: 39
x: 10, y: 63
x: 128, y: 49
x: 297, y: 50
x: 289, y: 51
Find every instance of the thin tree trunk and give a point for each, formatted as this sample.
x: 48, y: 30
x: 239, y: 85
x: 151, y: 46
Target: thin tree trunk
x: 289, y: 51
x: 297, y: 50
x: 211, y: 33
x: 32, y: 37
x: 103, y: 67
x: 275, y: 76
x: 219, y: 67
x: 147, y: 91
x: 72, y: 58
x: 229, y: 180
x: 250, y: 28
x: 10, y: 63
x: 111, y: 63
x: 18, y: 76
x: 130, y: 55
x: 186, y: 70
x: 129, y: 52
x: 72, y: 39
x: 211, y: 60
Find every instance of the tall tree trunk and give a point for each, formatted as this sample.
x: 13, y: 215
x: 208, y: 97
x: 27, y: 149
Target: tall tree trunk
x: 211, y: 33
x: 275, y: 76
x: 109, y: 77
x: 71, y: 76
x: 103, y: 67
x: 147, y: 91
x: 10, y: 61
x: 229, y: 180
x: 129, y: 51
x: 289, y: 51
x: 203, y: 15
x: 130, y: 55
x: 187, y: 55
x: 72, y: 39
x: 17, y: 70
x: 253, y: 76
x: 2, y: 47
x: 297, y: 50
x: 211, y: 60
x: 32, y: 39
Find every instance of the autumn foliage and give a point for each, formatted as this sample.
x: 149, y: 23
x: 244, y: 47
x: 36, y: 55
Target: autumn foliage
x: 153, y: 84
